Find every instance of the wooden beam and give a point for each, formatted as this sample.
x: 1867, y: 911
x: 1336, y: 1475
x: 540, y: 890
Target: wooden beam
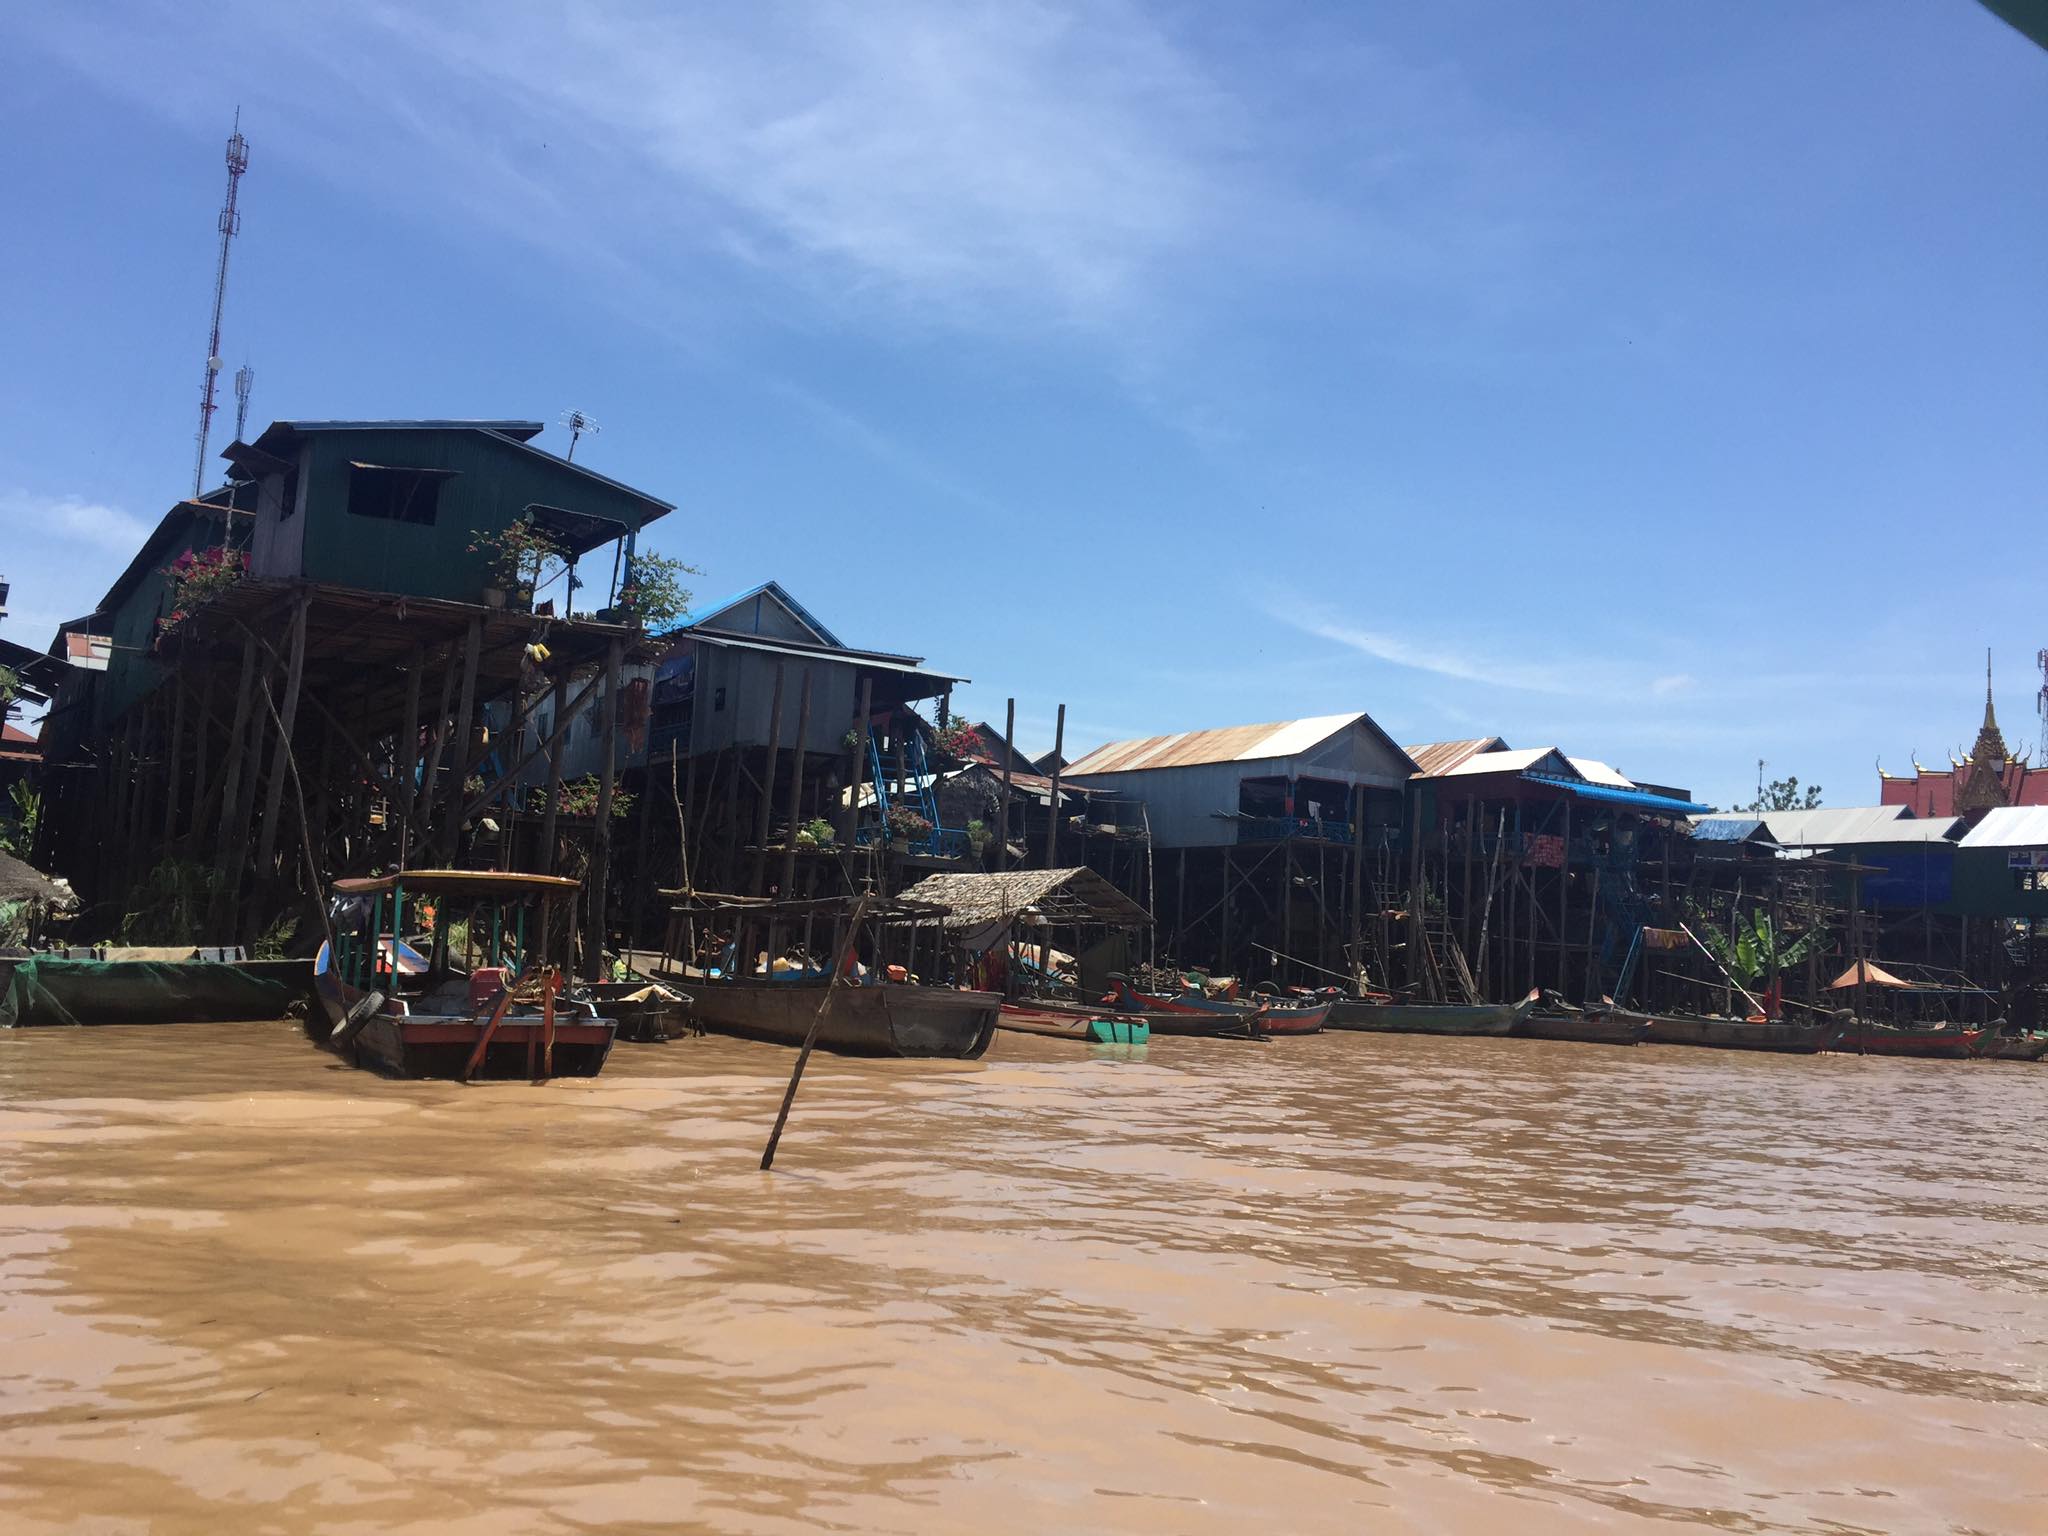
x: 231, y: 782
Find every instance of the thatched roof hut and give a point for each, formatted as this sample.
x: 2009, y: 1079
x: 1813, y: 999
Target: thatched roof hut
x: 21, y: 882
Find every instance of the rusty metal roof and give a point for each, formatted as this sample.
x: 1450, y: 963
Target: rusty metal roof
x: 1438, y: 757
x: 1231, y: 744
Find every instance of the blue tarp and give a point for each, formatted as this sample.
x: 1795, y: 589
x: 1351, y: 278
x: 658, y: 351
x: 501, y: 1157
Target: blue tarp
x: 1633, y: 799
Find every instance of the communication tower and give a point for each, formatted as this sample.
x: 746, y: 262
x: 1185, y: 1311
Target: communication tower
x: 230, y: 222
x: 245, y: 380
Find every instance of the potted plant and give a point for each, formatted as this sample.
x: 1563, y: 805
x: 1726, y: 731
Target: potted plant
x: 514, y: 557
x: 653, y: 595
x: 906, y: 826
x: 197, y: 577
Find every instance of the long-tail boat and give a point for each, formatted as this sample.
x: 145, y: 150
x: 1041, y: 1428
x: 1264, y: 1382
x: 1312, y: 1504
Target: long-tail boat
x: 1389, y: 1017
x: 387, y: 1005
x: 1302, y: 1016
x: 2025, y: 1045
x: 765, y: 985
x: 1062, y: 1021
x: 1951, y: 1041
x: 1587, y: 1027
x: 1728, y: 1034
x: 1187, y: 1013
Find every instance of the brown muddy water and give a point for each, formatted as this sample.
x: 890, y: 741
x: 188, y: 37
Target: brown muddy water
x: 1338, y: 1284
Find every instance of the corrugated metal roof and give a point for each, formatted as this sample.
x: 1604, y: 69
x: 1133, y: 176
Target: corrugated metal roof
x: 1518, y: 761
x: 1593, y: 771
x: 2010, y: 826
x: 1853, y: 826
x: 1231, y: 744
x: 1728, y: 829
x: 1440, y: 757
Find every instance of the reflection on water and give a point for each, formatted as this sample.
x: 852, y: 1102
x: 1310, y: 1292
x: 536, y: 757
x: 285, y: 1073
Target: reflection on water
x: 1332, y: 1284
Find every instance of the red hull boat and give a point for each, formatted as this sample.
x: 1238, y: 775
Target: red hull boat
x: 1885, y: 1040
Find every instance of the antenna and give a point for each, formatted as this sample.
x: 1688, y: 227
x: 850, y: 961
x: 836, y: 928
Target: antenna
x: 578, y: 424
x: 245, y: 380
x: 2041, y: 702
x: 230, y: 222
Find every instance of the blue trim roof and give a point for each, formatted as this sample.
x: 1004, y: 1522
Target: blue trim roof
x: 781, y: 594
x: 1633, y: 799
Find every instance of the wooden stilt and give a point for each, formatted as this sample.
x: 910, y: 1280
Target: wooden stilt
x: 557, y: 737
x: 1052, y: 831
x: 225, y: 850
x: 796, y: 784
x: 405, y: 760
x: 601, y: 834
x: 765, y: 805
x: 1003, y: 800
x: 287, y: 715
x: 465, y: 722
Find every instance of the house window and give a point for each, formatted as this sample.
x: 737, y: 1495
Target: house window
x: 396, y: 495
x: 717, y: 699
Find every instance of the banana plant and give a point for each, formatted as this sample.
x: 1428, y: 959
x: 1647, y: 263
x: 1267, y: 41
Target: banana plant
x: 1756, y: 949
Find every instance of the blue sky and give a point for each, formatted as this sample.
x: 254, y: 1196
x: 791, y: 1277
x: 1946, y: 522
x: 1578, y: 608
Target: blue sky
x: 1662, y: 382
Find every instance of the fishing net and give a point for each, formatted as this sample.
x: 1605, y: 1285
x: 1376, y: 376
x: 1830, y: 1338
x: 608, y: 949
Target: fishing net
x: 47, y: 991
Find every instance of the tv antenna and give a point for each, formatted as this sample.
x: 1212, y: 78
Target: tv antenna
x: 230, y: 222
x: 578, y: 424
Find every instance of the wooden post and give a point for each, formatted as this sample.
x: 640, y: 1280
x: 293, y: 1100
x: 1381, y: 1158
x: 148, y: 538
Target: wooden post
x: 465, y: 721
x: 803, y: 1056
x: 765, y: 809
x: 1003, y: 810
x: 287, y: 714
x: 796, y: 784
x: 857, y: 767
x: 202, y: 756
x: 405, y: 761
x: 1052, y: 831
x: 245, y: 808
x: 1416, y: 971
x: 601, y: 836
x: 421, y: 814
x: 1223, y: 957
x: 1564, y: 897
x: 560, y: 740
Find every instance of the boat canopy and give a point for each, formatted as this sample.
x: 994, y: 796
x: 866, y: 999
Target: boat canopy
x: 460, y: 882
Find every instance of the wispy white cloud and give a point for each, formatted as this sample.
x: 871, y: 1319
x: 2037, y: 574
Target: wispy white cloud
x: 1424, y: 656
x: 73, y: 519
x: 1672, y: 683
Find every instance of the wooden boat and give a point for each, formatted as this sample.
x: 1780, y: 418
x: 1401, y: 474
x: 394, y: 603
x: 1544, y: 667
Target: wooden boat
x: 1187, y: 1013
x: 1389, y: 1017
x: 1096, y: 1026
x: 389, y: 1007
x: 875, y: 1018
x: 1589, y: 1028
x: 1277, y: 1019
x: 1950, y: 1041
x: 2023, y: 1046
x: 1738, y: 1034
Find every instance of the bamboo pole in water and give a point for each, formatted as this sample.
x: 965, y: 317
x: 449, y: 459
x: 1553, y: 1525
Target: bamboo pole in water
x: 803, y: 1056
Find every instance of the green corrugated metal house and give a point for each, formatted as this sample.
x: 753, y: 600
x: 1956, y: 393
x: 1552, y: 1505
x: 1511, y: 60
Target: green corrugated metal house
x: 394, y: 506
